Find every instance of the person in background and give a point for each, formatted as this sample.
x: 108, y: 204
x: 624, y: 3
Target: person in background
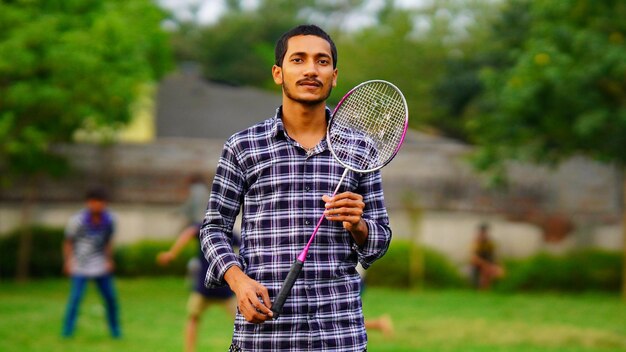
x: 201, y: 297
x: 483, y: 260
x: 88, y: 255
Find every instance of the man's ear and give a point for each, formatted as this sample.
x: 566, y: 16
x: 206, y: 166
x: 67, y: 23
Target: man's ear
x: 335, y: 78
x: 277, y: 74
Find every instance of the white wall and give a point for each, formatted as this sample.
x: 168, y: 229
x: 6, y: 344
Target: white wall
x: 135, y: 222
x: 449, y: 232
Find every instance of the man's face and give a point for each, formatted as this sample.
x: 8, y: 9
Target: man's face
x: 307, y: 74
x: 96, y: 206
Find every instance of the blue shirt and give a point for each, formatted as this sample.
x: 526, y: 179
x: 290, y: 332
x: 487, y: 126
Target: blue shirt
x: 279, y: 186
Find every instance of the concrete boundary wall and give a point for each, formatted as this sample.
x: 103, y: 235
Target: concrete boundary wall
x: 429, y: 176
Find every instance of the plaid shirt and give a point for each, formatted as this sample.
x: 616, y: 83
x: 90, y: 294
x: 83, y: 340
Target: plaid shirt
x: 280, y: 186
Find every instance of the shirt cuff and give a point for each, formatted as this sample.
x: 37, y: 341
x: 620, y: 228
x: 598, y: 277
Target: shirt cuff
x: 375, y: 245
x: 215, y: 273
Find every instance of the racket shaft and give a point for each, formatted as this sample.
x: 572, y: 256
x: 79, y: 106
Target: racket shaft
x: 284, y: 292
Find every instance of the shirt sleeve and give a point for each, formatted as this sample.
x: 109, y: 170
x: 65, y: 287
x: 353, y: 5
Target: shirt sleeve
x: 72, y: 227
x: 216, y: 231
x: 112, y: 227
x: 376, y: 218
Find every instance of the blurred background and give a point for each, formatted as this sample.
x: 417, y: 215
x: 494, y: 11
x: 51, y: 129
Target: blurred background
x: 518, y: 122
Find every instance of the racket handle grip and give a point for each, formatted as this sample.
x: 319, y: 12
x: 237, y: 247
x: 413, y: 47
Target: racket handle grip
x: 283, y: 294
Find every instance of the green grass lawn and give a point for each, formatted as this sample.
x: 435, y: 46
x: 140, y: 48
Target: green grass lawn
x: 153, y: 316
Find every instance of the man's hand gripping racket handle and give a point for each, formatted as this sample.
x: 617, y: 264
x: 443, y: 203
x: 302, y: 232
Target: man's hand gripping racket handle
x: 294, y: 272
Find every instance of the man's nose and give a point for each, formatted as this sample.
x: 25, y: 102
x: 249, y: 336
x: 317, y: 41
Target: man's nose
x: 310, y: 68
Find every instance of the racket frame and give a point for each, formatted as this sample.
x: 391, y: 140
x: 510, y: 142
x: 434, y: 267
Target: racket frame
x: 330, y: 123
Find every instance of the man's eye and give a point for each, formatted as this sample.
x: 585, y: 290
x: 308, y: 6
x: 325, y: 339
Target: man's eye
x: 296, y: 60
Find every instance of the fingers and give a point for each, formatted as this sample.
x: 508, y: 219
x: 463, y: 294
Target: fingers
x: 345, y: 199
x: 254, y: 311
x: 343, y: 196
x: 253, y: 306
x: 346, y: 207
x: 259, y: 304
x: 267, y: 303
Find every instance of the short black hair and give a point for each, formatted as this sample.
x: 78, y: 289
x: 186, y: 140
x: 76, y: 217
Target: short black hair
x: 97, y: 193
x: 305, y: 29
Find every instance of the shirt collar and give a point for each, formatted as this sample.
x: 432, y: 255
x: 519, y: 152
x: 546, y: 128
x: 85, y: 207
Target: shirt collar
x: 278, y: 129
x: 105, y: 223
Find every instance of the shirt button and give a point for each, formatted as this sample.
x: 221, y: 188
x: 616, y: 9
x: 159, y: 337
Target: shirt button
x: 307, y: 222
x: 307, y: 188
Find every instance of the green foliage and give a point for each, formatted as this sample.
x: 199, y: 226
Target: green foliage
x: 392, y: 270
x: 47, y: 258
x: 66, y: 65
x: 458, y: 94
x: 387, y: 51
x: 408, y: 47
x: 136, y: 259
x: 240, y: 50
x: 562, y: 90
x: 579, y: 271
x: 139, y: 259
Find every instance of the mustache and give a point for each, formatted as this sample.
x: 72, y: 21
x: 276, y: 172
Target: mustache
x: 310, y: 80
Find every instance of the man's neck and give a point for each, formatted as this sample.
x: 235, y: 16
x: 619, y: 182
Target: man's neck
x: 306, y: 124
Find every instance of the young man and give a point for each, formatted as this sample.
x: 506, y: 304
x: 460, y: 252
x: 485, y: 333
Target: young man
x: 88, y: 255
x: 280, y: 172
x: 201, y: 297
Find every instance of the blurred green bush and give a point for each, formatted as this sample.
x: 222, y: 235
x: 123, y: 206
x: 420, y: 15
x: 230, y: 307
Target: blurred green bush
x: 392, y: 270
x: 136, y: 259
x: 139, y: 259
x: 577, y: 271
x: 46, y: 255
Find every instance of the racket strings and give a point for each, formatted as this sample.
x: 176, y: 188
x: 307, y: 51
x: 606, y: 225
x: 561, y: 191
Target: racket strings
x: 368, y: 126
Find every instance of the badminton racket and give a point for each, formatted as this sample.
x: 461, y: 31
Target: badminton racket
x: 365, y: 132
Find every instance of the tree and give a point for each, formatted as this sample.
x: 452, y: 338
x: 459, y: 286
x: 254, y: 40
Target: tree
x: 239, y: 48
x: 561, y: 92
x: 64, y: 66
x: 495, y: 35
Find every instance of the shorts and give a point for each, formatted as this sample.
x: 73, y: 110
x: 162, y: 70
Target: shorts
x: 198, y: 303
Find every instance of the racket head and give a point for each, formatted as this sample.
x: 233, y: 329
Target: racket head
x: 368, y: 126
